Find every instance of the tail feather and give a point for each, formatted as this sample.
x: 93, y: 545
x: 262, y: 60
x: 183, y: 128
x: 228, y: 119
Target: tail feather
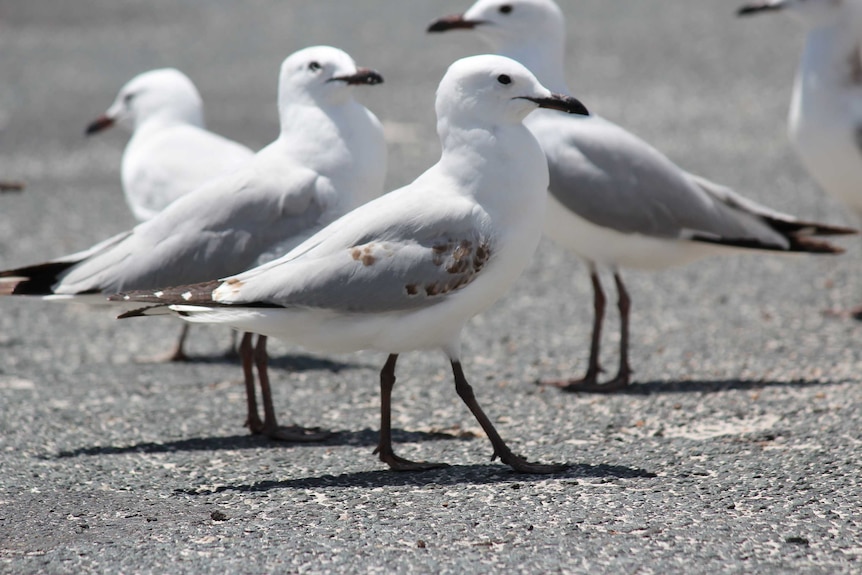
x: 797, y: 228
x: 793, y: 229
x: 32, y: 280
x: 797, y: 243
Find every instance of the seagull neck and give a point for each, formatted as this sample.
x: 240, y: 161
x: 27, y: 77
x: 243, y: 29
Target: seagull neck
x: 156, y: 122
x: 494, y: 158
x: 298, y: 120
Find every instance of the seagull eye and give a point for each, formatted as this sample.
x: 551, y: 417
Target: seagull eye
x: 314, y: 66
x: 127, y: 99
x: 504, y: 79
x: 506, y: 9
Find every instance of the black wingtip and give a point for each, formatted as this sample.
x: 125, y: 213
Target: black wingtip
x: 139, y: 312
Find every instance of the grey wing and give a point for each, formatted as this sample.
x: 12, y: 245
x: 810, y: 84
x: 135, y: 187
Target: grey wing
x: 611, y: 178
x: 218, y: 230
x: 377, y: 276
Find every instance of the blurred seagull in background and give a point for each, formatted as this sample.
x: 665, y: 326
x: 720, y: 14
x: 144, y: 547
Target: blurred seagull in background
x: 329, y: 158
x: 170, y: 153
x: 615, y: 200
x: 406, y: 271
x: 825, y: 122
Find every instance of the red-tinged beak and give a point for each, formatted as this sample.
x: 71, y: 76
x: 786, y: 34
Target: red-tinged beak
x: 101, y: 123
x: 453, y: 22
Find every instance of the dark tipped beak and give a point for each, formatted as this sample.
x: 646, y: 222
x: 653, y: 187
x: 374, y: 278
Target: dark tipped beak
x: 562, y: 103
x: 453, y: 22
x: 99, y: 124
x: 758, y: 7
x: 363, y: 76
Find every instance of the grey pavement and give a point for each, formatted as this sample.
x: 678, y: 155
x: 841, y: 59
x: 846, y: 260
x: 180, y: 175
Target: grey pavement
x: 737, y: 451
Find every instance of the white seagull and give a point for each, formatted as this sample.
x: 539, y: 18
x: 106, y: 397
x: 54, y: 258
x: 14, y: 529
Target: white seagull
x: 825, y: 120
x: 170, y: 153
x: 615, y: 200
x: 406, y: 271
x: 825, y: 123
x: 329, y: 158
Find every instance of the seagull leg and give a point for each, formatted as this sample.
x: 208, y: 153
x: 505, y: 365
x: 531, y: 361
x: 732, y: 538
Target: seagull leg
x: 384, y: 447
x: 501, y: 450
x: 232, y: 352
x: 179, y: 352
x: 246, y: 353
x: 591, y: 379
x: 621, y: 381
x: 271, y: 428
x: 176, y: 354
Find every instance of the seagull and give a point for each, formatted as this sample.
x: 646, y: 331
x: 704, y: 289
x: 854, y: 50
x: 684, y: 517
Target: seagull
x: 614, y: 200
x: 170, y: 152
x: 825, y: 123
x: 407, y: 270
x: 329, y: 158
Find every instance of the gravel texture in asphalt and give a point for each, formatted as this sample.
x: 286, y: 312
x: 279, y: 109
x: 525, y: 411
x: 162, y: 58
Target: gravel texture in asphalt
x: 736, y: 451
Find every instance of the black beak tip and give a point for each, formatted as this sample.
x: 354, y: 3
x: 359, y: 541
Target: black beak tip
x: 562, y: 103
x: 374, y: 78
x: 437, y: 26
x: 454, y: 22
x: 97, y: 125
x: 579, y: 109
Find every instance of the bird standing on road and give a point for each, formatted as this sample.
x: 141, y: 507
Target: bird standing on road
x: 406, y: 271
x: 329, y: 158
x: 615, y: 200
x: 170, y: 153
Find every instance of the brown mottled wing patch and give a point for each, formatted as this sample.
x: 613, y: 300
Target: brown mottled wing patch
x: 381, y: 275
x: 461, y: 260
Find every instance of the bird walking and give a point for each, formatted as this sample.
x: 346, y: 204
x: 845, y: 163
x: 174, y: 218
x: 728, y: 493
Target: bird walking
x: 406, y: 271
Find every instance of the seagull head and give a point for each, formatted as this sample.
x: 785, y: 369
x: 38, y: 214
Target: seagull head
x: 814, y: 12
x: 165, y: 93
x: 322, y: 74
x: 504, y: 23
x: 492, y: 90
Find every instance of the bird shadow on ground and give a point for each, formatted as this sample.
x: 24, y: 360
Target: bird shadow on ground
x: 451, y: 475
x: 362, y: 438
x: 707, y: 386
x: 295, y: 362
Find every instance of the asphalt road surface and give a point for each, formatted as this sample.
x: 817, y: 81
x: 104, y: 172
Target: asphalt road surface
x: 736, y: 451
